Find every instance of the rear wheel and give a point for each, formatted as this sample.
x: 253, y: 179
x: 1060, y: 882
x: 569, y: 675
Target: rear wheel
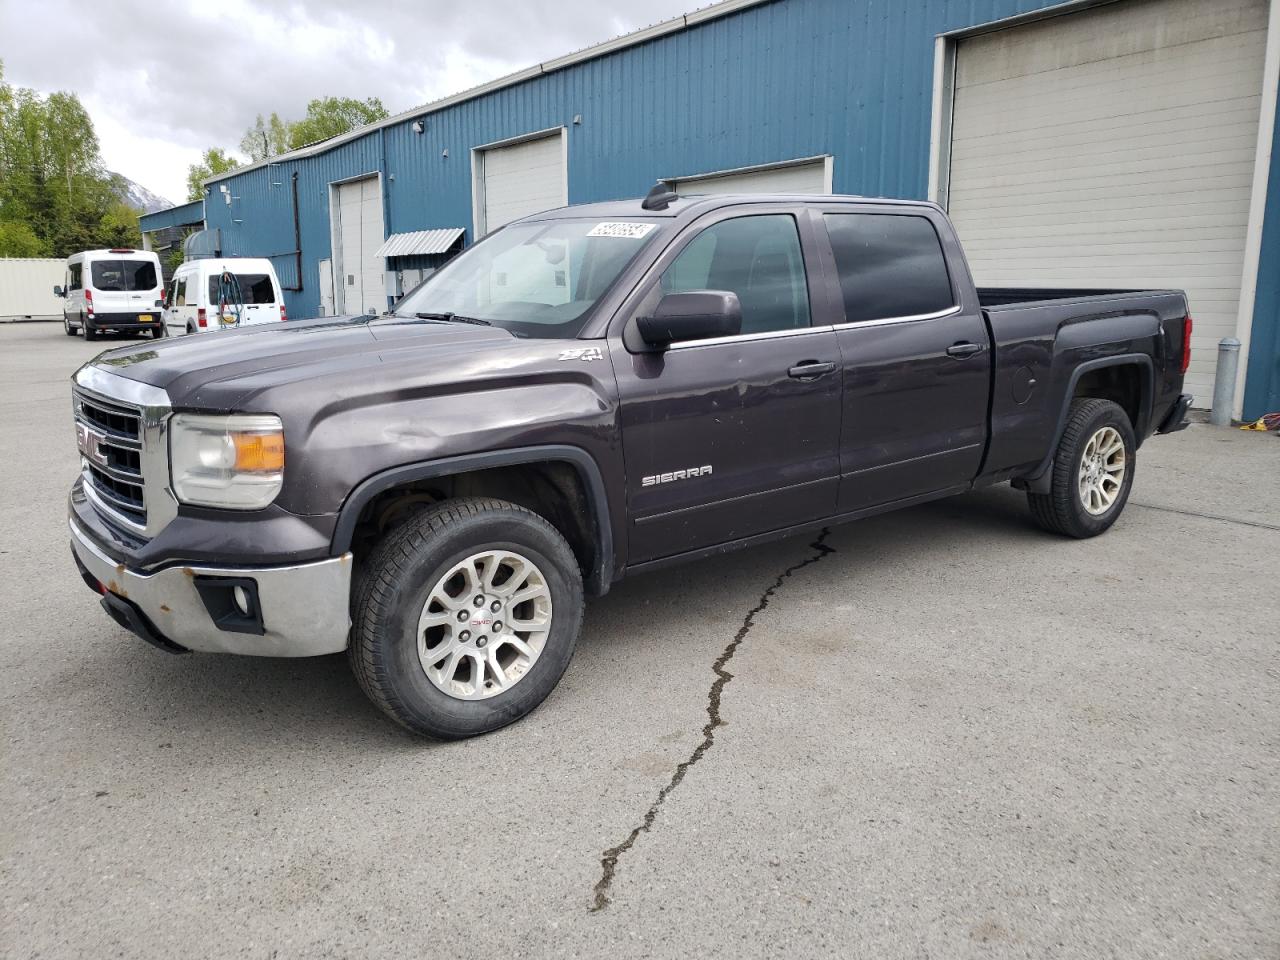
x: 1092, y: 471
x: 86, y: 329
x: 466, y: 617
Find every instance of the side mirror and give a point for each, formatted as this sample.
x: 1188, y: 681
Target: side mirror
x: 696, y: 315
x: 58, y: 292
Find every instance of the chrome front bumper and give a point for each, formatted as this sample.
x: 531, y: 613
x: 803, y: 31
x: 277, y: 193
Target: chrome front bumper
x: 304, y: 608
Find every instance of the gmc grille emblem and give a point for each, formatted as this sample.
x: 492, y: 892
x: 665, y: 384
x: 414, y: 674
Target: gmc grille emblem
x: 91, y: 443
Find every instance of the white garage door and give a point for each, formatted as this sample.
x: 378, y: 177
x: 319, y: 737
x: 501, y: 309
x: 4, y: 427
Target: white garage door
x: 521, y: 179
x: 809, y: 176
x: 1114, y: 147
x: 359, y: 281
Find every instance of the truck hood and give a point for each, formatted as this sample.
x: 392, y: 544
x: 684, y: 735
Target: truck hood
x: 220, y: 370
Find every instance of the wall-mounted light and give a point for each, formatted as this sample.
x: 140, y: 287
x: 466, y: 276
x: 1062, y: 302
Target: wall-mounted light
x: 419, y: 126
x: 577, y: 119
x: 444, y: 152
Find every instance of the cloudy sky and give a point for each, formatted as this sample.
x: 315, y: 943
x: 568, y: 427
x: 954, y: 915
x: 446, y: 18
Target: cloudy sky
x: 164, y: 79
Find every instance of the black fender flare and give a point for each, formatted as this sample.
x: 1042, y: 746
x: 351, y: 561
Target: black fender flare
x: 1037, y: 479
x: 598, y: 579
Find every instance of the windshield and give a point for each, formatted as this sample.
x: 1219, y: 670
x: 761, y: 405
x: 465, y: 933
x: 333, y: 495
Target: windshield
x: 121, y: 275
x: 534, y: 279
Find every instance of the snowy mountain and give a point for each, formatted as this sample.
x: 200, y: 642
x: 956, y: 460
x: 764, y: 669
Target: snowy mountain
x: 139, y: 197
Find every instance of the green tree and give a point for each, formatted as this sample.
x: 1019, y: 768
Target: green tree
x: 120, y: 226
x: 214, y: 161
x: 52, y: 181
x: 266, y: 138
x: 19, y: 240
x: 331, y: 116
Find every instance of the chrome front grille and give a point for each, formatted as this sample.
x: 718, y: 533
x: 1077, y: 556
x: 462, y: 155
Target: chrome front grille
x: 110, y: 438
x: 122, y: 433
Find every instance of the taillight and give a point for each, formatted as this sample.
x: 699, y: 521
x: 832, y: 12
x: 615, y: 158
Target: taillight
x: 1186, y: 342
x: 88, y: 301
x: 284, y: 314
x: 201, y: 317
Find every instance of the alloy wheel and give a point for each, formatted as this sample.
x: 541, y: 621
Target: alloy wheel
x: 484, y: 624
x: 1102, y: 470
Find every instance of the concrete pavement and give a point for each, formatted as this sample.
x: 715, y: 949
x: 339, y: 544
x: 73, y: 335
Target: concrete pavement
x: 937, y: 733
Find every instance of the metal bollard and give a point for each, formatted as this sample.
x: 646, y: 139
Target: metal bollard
x: 1224, y: 382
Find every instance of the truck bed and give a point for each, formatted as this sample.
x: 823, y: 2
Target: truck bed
x: 1010, y: 296
x: 1045, y: 338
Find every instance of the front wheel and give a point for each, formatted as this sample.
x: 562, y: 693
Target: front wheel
x: 1092, y: 471
x: 66, y: 326
x: 465, y: 617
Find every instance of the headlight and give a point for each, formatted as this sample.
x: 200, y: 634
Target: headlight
x: 235, y: 461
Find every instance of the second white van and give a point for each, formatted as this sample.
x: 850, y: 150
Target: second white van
x: 223, y: 293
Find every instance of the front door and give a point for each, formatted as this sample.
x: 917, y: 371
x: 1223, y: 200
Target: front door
x: 727, y: 438
x: 917, y: 363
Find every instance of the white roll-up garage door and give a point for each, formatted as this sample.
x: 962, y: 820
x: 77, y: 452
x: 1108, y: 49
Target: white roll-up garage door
x: 807, y: 176
x: 517, y: 180
x: 1114, y: 147
x: 359, y: 281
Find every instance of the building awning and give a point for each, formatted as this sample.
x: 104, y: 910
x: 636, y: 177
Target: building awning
x: 419, y: 242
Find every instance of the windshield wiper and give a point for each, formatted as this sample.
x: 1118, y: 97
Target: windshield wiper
x: 453, y: 318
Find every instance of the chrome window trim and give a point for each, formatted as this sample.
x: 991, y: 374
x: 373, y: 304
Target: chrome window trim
x: 886, y: 321
x: 801, y: 331
x: 748, y: 337
x: 155, y: 409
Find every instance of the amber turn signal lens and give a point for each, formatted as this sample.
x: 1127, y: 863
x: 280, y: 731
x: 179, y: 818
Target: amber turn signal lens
x: 259, y: 452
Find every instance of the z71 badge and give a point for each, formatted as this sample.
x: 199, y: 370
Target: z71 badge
x: 582, y: 353
x: 686, y: 474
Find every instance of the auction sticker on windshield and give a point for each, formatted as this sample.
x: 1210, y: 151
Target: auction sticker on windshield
x: 627, y: 231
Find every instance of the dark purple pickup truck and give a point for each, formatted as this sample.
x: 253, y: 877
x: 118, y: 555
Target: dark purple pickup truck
x: 584, y: 394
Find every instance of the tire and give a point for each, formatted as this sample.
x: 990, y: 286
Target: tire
x: 66, y: 326
x: 157, y: 333
x: 407, y: 577
x: 1077, y: 505
x: 87, y: 331
x: 190, y: 330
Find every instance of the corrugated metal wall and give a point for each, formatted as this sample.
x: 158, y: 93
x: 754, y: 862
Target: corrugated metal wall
x: 792, y: 78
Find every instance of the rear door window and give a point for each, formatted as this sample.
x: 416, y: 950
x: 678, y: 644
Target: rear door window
x: 890, y: 266
x: 254, y: 288
x: 120, y: 276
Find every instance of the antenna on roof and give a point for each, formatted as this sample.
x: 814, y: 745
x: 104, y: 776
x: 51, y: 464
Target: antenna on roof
x: 659, y: 198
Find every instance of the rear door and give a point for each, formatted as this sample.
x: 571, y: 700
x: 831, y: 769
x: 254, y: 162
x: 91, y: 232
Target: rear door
x: 258, y: 289
x: 125, y: 287
x: 732, y: 437
x: 917, y: 361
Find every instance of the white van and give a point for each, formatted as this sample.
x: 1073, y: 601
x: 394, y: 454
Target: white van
x: 222, y: 293
x: 117, y: 289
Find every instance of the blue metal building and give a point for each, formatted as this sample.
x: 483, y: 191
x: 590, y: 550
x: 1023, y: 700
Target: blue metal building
x: 895, y: 98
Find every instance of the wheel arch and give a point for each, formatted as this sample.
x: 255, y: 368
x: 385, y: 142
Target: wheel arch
x: 597, y: 528
x: 1037, y: 480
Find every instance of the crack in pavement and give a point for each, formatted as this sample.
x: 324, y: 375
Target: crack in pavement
x: 609, y: 859
x: 1208, y: 516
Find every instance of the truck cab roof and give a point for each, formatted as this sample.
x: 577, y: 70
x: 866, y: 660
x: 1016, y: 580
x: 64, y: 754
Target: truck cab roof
x: 694, y: 204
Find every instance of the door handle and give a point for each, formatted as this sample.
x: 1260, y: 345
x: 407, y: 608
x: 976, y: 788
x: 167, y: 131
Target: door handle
x: 964, y: 349
x: 810, y: 370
